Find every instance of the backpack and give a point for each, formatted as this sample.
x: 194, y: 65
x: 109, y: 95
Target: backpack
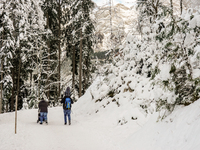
x: 67, y: 103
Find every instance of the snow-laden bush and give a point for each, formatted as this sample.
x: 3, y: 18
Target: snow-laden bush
x: 154, y: 72
x: 175, y: 56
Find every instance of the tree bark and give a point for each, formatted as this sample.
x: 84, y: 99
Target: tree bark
x: 31, y: 78
x: 49, y: 51
x: 18, y: 85
x: 181, y: 6
x: 172, y: 11
x: 73, y: 69
x: 13, y: 70
x: 13, y: 88
x: 1, y: 100
x: 16, y: 115
x: 1, y: 94
x: 85, y: 81
x: 111, y: 32
x: 80, y: 59
x: 39, y: 61
x: 59, y: 49
x: 80, y: 66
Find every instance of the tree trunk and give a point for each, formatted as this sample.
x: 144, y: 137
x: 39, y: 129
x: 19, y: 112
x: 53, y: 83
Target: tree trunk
x: 48, y: 67
x: 80, y: 66
x: 172, y: 11
x: 6, y: 106
x: 16, y: 115
x: 18, y: 86
x: 73, y: 69
x: 111, y: 32
x: 13, y: 69
x: 59, y: 49
x: 31, y: 78
x: 1, y: 100
x: 80, y: 59
x: 13, y: 88
x: 39, y: 62
x: 181, y: 6
x: 85, y: 81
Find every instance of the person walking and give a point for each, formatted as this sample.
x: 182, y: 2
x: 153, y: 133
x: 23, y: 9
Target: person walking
x: 43, y: 108
x: 67, y: 104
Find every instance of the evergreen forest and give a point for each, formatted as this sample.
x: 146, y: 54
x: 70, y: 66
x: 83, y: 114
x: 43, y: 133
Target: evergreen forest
x: 161, y: 47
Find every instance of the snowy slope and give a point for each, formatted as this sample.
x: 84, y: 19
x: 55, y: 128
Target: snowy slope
x: 179, y: 131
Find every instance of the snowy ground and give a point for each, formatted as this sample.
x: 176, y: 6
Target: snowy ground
x: 179, y: 131
x: 85, y: 133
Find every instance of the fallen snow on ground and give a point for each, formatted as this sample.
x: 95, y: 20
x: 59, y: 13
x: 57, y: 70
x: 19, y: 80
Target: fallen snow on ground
x: 84, y: 133
x: 179, y: 131
x: 99, y: 131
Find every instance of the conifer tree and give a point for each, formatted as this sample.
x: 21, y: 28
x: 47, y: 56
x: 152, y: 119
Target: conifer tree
x: 7, y: 44
x: 173, y: 41
x: 82, y: 39
x: 56, y: 14
x: 24, y: 30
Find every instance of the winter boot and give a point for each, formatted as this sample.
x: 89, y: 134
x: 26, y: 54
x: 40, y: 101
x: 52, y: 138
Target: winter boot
x: 69, y: 122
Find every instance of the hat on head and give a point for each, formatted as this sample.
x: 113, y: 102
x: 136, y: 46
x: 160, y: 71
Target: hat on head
x: 67, y: 92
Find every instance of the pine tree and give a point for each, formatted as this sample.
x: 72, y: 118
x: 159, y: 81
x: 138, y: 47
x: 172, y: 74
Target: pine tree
x: 24, y: 31
x: 173, y: 39
x: 6, y: 50
x: 81, y: 33
x: 56, y: 14
x: 51, y: 74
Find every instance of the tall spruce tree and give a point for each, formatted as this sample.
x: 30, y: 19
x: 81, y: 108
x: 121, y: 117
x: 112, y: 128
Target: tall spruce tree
x: 23, y: 31
x: 56, y: 15
x: 81, y: 42
x: 50, y: 9
x: 16, y: 13
x: 7, y: 44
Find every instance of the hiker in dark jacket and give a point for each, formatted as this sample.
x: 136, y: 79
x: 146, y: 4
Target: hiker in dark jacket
x: 67, y: 104
x: 43, y: 110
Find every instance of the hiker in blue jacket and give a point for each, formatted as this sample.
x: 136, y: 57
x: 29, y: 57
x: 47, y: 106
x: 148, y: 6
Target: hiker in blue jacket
x: 67, y: 104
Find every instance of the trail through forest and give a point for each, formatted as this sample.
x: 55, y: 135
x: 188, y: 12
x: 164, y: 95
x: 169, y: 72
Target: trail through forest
x: 101, y: 131
x: 84, y: 133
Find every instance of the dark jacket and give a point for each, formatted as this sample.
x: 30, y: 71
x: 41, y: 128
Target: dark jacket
x: 63, y: 101
x: 43, y: 106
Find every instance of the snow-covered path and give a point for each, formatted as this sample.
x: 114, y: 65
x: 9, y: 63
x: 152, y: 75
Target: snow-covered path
x: 100, y: 131
x: 83, y: 134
